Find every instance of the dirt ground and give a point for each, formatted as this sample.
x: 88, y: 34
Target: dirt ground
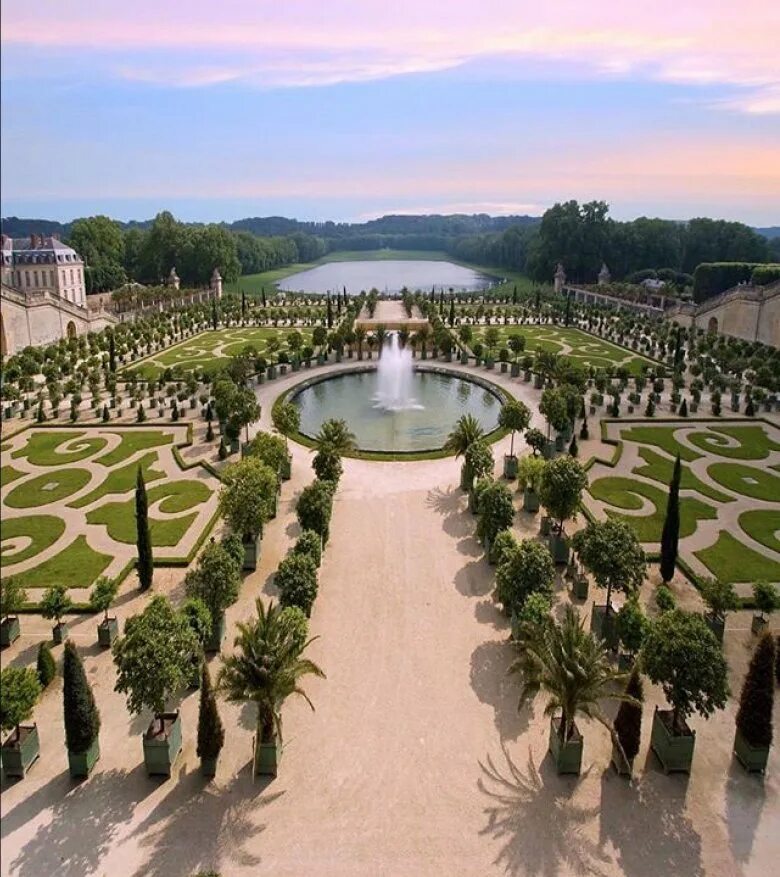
x: 416, y: 760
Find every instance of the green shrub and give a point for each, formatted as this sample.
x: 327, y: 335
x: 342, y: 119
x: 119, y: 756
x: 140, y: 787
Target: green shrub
x: 628, y: 721
x: 45, y: 666
x: 526, y: 569
x: 314, y: 508
x: 82, y: 719
x: 294, y: 618
x: 754, y: 717
x: 765, y: 597
x: 504, y: 543
x: 296, y: 579
x: 211, y: 734
x: 309, y: 543
x: 665, y: 599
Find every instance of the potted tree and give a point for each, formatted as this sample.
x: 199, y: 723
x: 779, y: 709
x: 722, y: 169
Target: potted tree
x: 211, y: 734
x: 611, y: 551
x: 271, y: 450
x: 514, y: 416
x: 496, y: 513
x: 682, y: 654
x: 572, y: 668
x: 314, y: 508
x: 766, y: 601
x: 287, y: 420
x: 720, y: 598
x: 153, y: 661
x: 216, y: 581
x: 54, y: 604
x: 296, y: 579
x: 103, y: 594
x: 753, y: 737
x: 246, y: 501
x: 82, y: 719
x: 479, y: 461
x: 525, y: 569
x: 12, y: 597
x: 529, y: 473
x: 309, y: 543
x: 560, y: 492
x: 466, y: 431
x: 19, y: 692
x: 555, y: 410
x: 631, y: 626
x: 266, y: 668
x: 628, y: 726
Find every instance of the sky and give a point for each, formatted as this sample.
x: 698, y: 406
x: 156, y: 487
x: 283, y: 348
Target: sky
x: 350, y: 110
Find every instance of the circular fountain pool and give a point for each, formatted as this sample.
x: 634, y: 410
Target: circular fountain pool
x: 382, y: 421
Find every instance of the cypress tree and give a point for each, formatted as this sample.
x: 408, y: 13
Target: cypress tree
x: 573, y: 449
x: 262, y: 292
x: 514, y: 295
x: 45, y: 665
x: 628, y: 722
x: 111, y: 352
x: 211, y: 734
x: 214, y: 320
x: 754, y: 717
x: 106, y: 414
x: 684, y: 408
x: 567, y: 317
x: 750, y: 409
x: 330, y: 313
x: 209, y: 432
x: 243, y: 304
x: 452, y: 312
x: 145, y: 562
x: 82, y: 719
x: 671, y: 532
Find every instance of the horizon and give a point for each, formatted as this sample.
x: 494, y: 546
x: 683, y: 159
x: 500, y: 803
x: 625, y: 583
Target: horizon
x: 351, y: 112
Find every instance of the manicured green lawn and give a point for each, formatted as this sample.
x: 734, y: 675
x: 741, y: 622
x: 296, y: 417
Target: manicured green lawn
x: 750, y: 481
x: 41, y: 447
x: 662, y: 437
x: 176, y: 496
x: 625, y: 493
x: 121, y: 480
x: 47, y: 488
x: 77, y: 566
x: 661, y: 468
x: 9, y: 474
x: 44, y: 530
x: 754, y: 443
x: 732, y: 561
x: 132, y: 441
x: 763, y: 525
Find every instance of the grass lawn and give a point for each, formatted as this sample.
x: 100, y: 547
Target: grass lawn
x: 625, y: 493
x: 44, y: 530
x: 134, y: 440
x: 47, y: 488
x: 176, y: 496
x: 661, y: 468
x: 77, y: 566
x: 662, y: 437
x: 9, y: 474
x: 754, y: 443
x: 750, y: 481
x: 763, y: 525
x: 41, y: 447
x: 732, y: 561
x: 121, y: 480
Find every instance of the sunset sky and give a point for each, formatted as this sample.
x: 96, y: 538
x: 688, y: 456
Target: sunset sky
x: 334, y: 110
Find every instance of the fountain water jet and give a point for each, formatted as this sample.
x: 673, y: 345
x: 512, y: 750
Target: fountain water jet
x: 394, y: 378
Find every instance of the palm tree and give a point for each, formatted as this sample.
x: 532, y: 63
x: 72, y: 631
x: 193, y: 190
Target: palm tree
x: 360, y: 336
x: 571, y: 668
x: 465, y: 432
x: 381, y: 336
x: 265, y: 670
x: 335, y: 435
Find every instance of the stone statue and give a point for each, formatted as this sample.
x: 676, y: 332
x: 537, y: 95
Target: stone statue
x: 559, y: 278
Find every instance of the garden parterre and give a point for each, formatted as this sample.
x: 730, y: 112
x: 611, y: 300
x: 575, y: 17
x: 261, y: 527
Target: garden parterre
x: 730, y: 496
x: 68, y: 504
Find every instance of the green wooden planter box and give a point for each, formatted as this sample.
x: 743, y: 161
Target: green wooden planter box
x: 548, y: 451
x: 321, y: 359
x: 214, y: 642
x: 80, y: 764
x: 580, y: 587
x: 251, y: 554
x: 560, y: 442
x: 753, y: 758
x: 758, y: 624
x: 296, y: 366
x: 271, y: 372
x: 466, y: 478
x: 567, y: 755
x: 108, y: 631
x: 544, y: 525
x: 161, y: 750
x: 559, y: 548
x: 504, y: 367
x: 235, y: 446
x: 717, y: 624
x: 59, y: 633
x: 18, y: 756
x: 530, y: 500
x: 527, y: 375
x: 538, y: 382
x: 208, y: 767
x: 510, y: 467
x: 266, y: 758
x: 514, y: 371
x: 674, y: 752
x: 603, y: 626
x: 283, y: 369
x: 9, y: 630
x: 286, y: 470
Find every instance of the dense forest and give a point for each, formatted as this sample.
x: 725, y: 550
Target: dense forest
x: 581, y: 236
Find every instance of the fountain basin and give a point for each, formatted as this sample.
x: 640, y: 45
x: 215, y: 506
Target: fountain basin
x: 437, y: 396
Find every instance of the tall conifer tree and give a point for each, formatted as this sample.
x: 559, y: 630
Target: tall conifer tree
x: 670, y: 536
x: 145, y: 563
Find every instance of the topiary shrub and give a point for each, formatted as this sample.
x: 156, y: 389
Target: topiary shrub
x: 211, y: 733
x: 296, y: 579
x: 496, y: 510
x: 310, y: 544
x: 82, y: 719
x: 504, y: 543
x: 296, y: 622
x: 754, y: 717
x: 45, y: 665
x: 314, y: 508
x: 528, y: 568
x: 628, y: 721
